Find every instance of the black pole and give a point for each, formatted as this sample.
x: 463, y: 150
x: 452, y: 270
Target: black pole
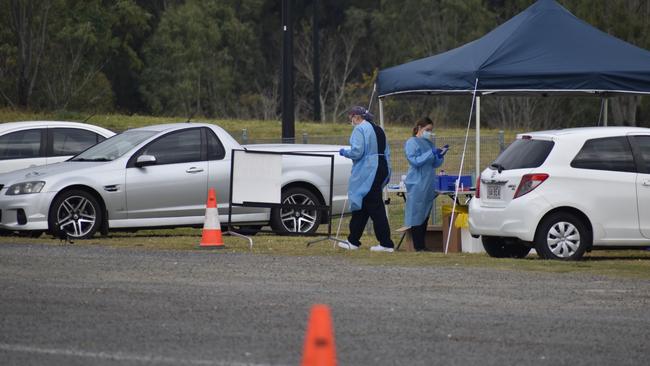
x: 288, y: 128
x: 316, y: 61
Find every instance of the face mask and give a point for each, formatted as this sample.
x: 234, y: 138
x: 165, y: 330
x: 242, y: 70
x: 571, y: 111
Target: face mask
x: 426, y: 135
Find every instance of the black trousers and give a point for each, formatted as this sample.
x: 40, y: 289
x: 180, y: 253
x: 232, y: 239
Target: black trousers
x: 418, y: 233
x: 372, y: 207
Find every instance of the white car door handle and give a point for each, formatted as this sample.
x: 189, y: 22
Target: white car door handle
x: 646, y: 182
x: 194, y: 170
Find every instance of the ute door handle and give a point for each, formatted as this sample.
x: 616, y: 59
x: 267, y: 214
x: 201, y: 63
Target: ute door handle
x: 194, y: 170
x: 646, y: 182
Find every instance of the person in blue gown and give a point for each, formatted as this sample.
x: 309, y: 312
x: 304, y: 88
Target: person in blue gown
x: 370, y: 155
x: 421, y: 180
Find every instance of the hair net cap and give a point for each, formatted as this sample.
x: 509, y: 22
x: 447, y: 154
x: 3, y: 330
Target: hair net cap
x: 357, y: 111
x: 361, y: 111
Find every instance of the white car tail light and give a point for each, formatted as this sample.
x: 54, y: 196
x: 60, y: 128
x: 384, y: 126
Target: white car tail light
x: 478, y: 187
x: 529, y: 182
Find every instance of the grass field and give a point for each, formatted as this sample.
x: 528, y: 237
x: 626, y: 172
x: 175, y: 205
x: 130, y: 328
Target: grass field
x: 609, y: 263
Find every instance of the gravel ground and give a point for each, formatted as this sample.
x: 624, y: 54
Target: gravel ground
x: 80, y: 305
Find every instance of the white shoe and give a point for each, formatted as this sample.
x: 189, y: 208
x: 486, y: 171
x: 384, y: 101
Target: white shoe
x: 379, y: 248
x: 347, y: 245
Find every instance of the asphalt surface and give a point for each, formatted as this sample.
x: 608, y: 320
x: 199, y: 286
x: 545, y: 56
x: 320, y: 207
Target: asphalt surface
x: 90, y: 305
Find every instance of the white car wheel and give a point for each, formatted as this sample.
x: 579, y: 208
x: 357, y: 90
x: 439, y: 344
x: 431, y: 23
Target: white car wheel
x: 562, y: 235
x: 563, y: 239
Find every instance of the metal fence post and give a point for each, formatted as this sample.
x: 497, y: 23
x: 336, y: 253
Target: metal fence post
x: 305, y: 138
x: 244, y: 136
x: 502, y: 142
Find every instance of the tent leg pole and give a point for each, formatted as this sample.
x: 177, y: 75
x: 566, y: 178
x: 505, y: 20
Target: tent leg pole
x: 381, y: 113
x: 381, y: 124
x: 605, y: 108
x: 478, y: 137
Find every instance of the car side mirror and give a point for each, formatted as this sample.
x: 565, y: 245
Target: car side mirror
x: 145, y: 160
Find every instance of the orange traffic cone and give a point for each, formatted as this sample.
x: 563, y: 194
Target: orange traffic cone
x: 211, y: 238
x: 319, y: 348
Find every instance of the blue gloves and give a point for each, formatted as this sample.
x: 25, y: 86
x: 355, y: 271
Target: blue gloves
x: 342, y: 152
x: 444, y: 150
x: 440, y: 153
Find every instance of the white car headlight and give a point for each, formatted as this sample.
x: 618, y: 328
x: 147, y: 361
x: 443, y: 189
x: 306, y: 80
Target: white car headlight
x: 25, y: 188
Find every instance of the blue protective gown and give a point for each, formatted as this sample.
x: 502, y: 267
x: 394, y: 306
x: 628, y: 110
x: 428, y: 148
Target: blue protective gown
x: 421, y: 180
x: 364, y: 155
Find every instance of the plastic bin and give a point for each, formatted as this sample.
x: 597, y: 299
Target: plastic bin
x: 448, y: 182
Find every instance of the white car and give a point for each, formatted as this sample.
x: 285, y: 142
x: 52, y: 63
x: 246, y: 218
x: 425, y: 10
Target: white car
x: 34, y: 143
x: 563, y: 192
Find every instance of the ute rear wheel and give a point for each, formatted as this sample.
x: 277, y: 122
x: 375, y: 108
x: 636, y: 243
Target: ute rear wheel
x: 296, y: 220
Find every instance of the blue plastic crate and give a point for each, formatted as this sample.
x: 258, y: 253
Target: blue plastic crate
x: 448, y: 182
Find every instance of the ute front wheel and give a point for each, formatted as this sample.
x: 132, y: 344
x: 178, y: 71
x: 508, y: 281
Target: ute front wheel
x: 75, y: 214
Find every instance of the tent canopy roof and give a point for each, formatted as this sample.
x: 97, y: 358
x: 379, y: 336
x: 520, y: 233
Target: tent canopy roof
x: 544, y: 49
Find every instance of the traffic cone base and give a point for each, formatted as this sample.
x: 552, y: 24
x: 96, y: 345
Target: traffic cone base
x: 211, y: 239
x: 211, y: 236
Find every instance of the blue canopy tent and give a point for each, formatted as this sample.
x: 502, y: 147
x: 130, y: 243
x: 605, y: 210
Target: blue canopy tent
x: 543, y: 50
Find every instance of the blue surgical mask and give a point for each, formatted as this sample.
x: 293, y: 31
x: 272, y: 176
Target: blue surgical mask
x: 426, y: 134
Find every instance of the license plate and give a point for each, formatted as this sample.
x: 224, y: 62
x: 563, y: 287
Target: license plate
x: 494, y: 192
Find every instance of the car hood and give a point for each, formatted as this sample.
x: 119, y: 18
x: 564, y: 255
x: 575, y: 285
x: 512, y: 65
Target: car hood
x: 306, y: 148
x: 44, y: 172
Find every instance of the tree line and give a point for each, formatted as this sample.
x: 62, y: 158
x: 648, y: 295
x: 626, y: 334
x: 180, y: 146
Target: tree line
x: 222, y: 58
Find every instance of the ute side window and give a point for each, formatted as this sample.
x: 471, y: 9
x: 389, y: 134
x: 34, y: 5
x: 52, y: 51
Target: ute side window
x: 609, y: 153
x: 216, y: 150
x: 176, y: 147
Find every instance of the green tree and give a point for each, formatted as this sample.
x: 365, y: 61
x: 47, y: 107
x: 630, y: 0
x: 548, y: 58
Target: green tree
x: 23, y: 47
x: 55, y: 51
x: 200, y: 59
x: 79, y: 47
x: 132, y: 26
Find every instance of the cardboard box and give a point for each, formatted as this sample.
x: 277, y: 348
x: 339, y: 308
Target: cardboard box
x: 432, y: 239
x: 455, y: 240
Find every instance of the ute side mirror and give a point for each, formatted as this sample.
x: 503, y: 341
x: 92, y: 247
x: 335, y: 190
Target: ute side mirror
x: 145, y: 160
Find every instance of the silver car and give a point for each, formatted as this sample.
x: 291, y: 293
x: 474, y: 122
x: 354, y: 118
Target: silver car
x: 158, y: 176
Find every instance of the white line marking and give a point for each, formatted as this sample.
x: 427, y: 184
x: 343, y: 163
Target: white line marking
x: 118, y: 356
